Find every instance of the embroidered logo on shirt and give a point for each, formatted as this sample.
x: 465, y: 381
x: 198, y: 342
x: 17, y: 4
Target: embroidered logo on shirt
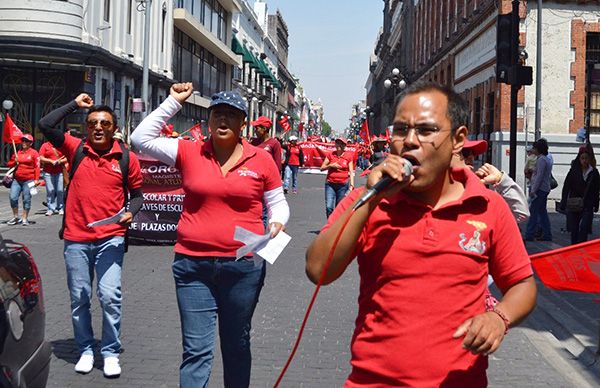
x: 474, y: 244
x: 115, y: 166
x: 245, y: 172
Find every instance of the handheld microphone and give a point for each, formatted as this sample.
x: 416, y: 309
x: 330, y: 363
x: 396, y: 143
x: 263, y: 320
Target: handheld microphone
x: 383, y: 184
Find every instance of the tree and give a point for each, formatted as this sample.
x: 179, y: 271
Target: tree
x: 325, y: 129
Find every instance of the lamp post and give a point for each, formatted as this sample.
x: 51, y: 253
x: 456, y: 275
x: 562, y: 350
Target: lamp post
x: 146, y: 5
x: 7, y: 105
x: 397, y: 80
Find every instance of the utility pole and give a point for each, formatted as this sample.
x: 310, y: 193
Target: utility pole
x: 147, y: 28
x: 510, y: 70
x: 538, y: 74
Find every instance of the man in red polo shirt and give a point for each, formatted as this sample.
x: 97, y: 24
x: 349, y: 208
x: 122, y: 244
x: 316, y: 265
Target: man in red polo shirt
x: 424, y: 247
x: 263, y: 139
x: 95, y: 193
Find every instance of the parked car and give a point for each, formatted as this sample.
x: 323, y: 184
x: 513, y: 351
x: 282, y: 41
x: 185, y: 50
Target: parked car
x: 24, y: 355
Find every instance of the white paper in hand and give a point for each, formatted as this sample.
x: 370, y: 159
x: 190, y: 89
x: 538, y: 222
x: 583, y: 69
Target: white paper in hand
x: 109, y: 220
x: 264, y: 246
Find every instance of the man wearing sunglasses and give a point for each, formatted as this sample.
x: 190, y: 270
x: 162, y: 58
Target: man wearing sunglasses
x: 424, y: 247
x: 95, y: 193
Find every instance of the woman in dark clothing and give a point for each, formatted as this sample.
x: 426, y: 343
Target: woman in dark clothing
x: 583, y: 181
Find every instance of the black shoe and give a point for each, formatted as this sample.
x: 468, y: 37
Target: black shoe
x: 285, y: 191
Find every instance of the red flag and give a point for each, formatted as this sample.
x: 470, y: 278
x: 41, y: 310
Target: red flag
x: 573, y: 268
x: 11, y: 131
x: 387, y: 134
x: 364, y: 132
x: 285, y: 124
x: 301, y: 128
x: 196, y: 132
x: 167, y: 130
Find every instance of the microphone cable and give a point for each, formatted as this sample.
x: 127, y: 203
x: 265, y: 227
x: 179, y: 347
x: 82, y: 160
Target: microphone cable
x: 313, y: 298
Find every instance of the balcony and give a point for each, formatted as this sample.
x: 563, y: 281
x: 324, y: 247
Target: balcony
x: 42, y: 19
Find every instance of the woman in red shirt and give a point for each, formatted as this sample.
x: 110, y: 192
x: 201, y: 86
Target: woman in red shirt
x: 340, y: 172
x: 294, y: 159
x: 26, y: 176
x: 54, y: 164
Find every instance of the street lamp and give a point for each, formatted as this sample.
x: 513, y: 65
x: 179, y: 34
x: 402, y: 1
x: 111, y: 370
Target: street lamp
x: 395, y: 79
x: 7, y: 104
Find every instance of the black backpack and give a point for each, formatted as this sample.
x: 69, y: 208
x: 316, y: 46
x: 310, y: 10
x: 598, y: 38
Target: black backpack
x: 123, y: 164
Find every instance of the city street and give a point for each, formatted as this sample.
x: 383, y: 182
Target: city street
x: 540, y: 353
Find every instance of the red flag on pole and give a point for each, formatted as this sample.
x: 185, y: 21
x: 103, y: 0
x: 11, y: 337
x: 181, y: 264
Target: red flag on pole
x: 11, y: 132
x: 364, y: 132
x: 196, y: 132
x: 285, y: 124
x: 301, y: 128
x: 572, y: 268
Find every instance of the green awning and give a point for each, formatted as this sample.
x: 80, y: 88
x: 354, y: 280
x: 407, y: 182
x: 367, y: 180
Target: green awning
x: 237, y: 47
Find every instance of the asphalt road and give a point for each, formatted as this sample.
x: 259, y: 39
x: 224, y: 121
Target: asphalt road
x: 533, y: 355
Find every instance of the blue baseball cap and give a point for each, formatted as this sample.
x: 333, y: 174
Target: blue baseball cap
x: 229, y: 98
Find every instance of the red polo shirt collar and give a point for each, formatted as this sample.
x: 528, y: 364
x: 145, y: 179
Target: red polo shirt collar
x: 474, y: 190
x: 248, y: 151
x: 114, y: 150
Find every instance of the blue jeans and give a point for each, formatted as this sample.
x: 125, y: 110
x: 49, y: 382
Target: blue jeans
x: 15, y: 191
x: 334, y: 193
x: 538, y: 214
x: 291, y: 173
x: 106, y: 257
x: 54, y: 191
x: 208, y: 287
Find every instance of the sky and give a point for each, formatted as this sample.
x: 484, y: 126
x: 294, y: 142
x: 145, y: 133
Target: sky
x: 330, y: 45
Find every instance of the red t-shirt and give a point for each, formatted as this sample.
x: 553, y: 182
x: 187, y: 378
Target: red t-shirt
x: 272, y: 146
x: 96, y: 191
x: 48, y: 151
x: 423, y: 273
x: 294, y: 159
x: 29, y: 165
x: 341, y: 174
x: 215, y: 204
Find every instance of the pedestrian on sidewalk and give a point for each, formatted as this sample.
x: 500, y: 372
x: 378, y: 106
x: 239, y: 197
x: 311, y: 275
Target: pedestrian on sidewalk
x: 424, y: 247
x: 26, y: 177
x: 225, y: 181
x: 340, y: 175
x: 294, y: 159
x: 538, y: 194
x: 581, y: 196
x: 54, y: 163
x: 95, y: 192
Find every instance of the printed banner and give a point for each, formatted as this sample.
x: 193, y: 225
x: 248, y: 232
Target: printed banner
x: 315, y: 152
x: 572, y: 268
x: 156, y: 222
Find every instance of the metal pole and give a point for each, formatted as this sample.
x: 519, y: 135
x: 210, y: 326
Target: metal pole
x: 588, y: 96
x: 147, y: 21
x: 538, y: 74
x: 514, y: 92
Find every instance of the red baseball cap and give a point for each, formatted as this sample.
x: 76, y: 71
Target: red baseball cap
x: 477, y: 147
x: 27, y: 137
x: 263, y: 121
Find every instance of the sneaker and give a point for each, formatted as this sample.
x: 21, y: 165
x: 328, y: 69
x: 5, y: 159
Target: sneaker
x: 14, y: 221
x: 49, y: 213
x: 85, y: 363
x: 295, y: 191
x: 61, y: 212
x: 25, y: 223
x: 112, y: 367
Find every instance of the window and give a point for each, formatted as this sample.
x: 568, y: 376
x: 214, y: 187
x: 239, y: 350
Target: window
x: 106, y: 10
x: 163, y: 27
x: 129, y: 15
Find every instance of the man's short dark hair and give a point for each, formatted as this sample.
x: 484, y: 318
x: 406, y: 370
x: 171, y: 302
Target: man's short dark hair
x: 541, y: 145
x: 103, y: 108
x: 458, y: 109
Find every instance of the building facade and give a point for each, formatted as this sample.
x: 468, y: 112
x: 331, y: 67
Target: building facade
x: 454, y: 42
